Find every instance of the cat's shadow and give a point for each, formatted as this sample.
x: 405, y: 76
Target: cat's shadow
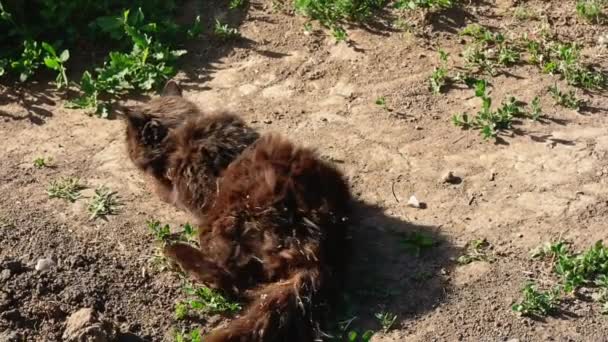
x: 397, y: 267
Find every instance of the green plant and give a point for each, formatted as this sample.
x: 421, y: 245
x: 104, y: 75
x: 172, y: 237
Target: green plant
x: 537, y: 303
x: 591, y: 10
x: 67, y: 188
x: 29, y: 60
x: 381, y: 102
x: 41, y: 162
x: 386, y: 320
x: 489, y: 122
x: 415, y: 243
x: 507, y: 56
x: 523, y: 12
x: 439, y: 76
x: 54, y: 62
x: 353, y: 336
x: 476, y: 250
x: 224, y: 32
x: 193, y: 336
x: 568, y: 100
x: 332, y: 13
x: 146, y: 67
x: 205, y: 300
x: 104, y: 203
x: 161, y: 233
x: 234, y: 4
x: 416, y: 4
x: 535, y: 109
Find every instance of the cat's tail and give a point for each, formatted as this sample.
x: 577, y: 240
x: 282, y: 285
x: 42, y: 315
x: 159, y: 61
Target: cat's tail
x: 281, y: 311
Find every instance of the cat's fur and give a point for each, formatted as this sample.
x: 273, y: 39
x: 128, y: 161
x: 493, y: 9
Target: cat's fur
x: 276, y: 236
x: 272, y: 216
x: 183, y: 150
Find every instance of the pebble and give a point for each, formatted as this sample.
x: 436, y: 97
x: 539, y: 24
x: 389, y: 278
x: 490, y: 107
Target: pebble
x: 86, y: 325
x: 268, y: 122
x: 413, y: 202
x: 10, y: 336
x: 603, y: 40
x: 44, y: 264
x: 5, y: 275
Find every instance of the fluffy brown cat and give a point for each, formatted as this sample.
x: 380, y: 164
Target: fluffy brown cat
x: 272, y: 216
x: 183, y: 150
x: 276, y: 237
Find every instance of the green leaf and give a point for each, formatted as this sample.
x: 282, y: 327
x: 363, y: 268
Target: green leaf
x: 352, y: 336
x: 51, y: 63
x: 46, y: 46
x: 65, y: 55
x: 367, y: 335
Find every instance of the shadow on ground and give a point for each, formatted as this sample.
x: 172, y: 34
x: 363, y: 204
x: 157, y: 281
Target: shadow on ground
x: 398, y: 267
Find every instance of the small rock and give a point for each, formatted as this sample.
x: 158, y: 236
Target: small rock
x: 268, y: 122
x: 414, y: 203
x: 9, y: 336
x: 5, y: 275
x: 86, y: 325
x: 44, y: 264
x: 513, y: 340
x: 603, y: 40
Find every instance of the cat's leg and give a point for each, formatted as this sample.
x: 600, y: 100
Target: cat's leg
x: 199, y: 266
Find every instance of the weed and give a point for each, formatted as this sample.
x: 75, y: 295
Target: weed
x: 381, y: 102
x: 535, y: 109
x: 537, y: 303
x: 416, y: 4
x: 332, y: 14
x: 67, y: 188
x: 353, y: 336
x: 41, y: 162
x: 205, y: 300
x: 104, y: 203
x: 54, y: 62
x: 161, y: 233
x: 550, y: 250
x: 476, y: 57
x: 193, y: 336
x: 568, y: 100
x: 523, y: 13
x: 234, y: 4
x: 439, y: 77
x: 507, y: 56
x: 489, y: 122
x: 582, y: 269
x: 224, y: 32
x: 147, y: 66
x: 415, y: 243
x: 476, y: 250
x: 29, y: 60
x: 386, y: 320
x: 591, y: 10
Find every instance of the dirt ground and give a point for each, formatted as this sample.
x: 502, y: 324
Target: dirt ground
x: 546, y: 181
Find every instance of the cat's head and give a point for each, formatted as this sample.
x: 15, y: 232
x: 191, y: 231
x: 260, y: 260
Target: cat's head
x: 149, y: 125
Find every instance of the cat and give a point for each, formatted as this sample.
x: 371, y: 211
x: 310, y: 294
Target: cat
x: 276, y: 237
x: 183, y: 150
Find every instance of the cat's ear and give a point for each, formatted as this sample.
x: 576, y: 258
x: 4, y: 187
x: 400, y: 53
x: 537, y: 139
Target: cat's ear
x: 172, y: 89
x: 135, y: 118
x: 153, y: 132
